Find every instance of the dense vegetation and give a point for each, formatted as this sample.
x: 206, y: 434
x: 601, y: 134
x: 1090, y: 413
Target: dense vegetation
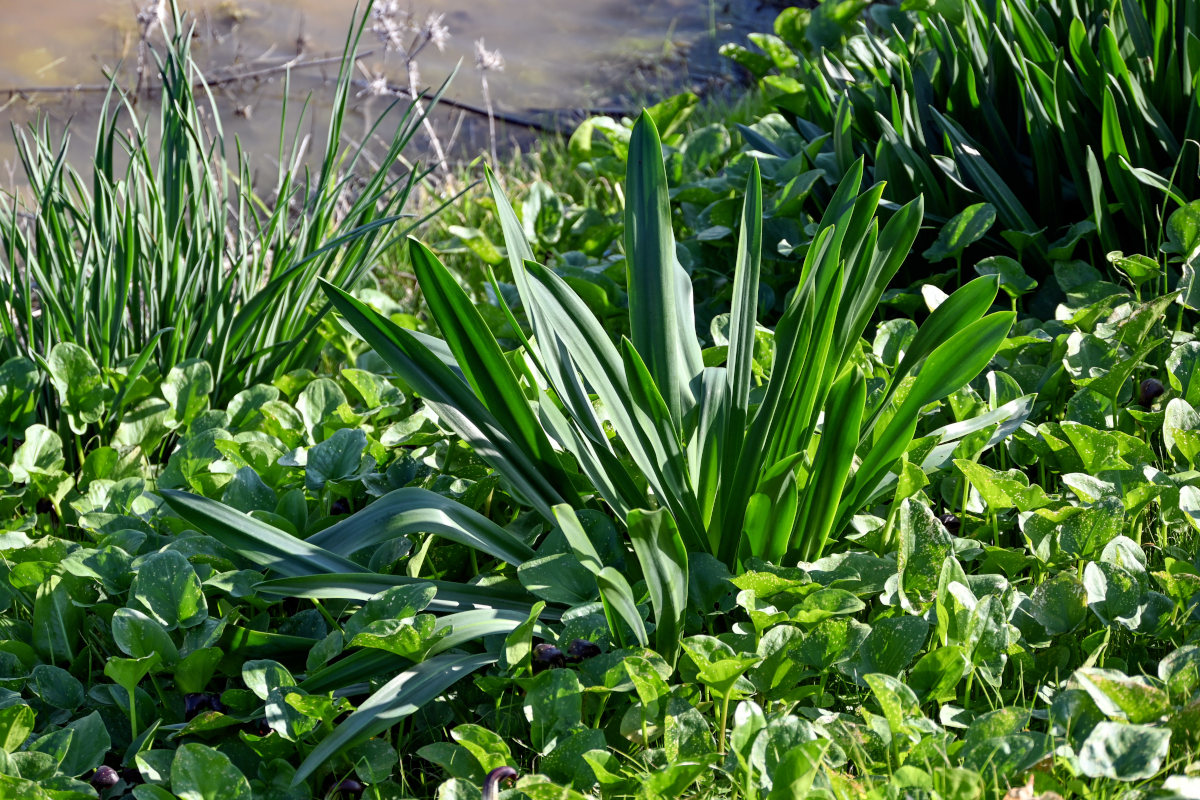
x: 842, y: 443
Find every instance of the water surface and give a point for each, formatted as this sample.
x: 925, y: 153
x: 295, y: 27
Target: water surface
x: 559, y: 54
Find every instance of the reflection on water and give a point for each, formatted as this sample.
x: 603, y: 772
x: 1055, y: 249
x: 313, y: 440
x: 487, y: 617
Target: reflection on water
x: 559, y: 54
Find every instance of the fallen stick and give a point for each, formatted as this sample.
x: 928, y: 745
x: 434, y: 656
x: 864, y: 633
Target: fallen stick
x: 220, y: 80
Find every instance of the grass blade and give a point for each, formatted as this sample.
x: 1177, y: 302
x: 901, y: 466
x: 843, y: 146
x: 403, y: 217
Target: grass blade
x: 398, y: 698
x: 263, y: 544
x: 415, y: 510
x: 660, y: 294
x: 664, y: 559
x: 362, y: 586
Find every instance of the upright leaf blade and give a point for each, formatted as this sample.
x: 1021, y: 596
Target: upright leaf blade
x: 744, y: 314
x: 660, y: 295
x: 664, y: 561
x: 454, y: 401
x: 482, y: 362
x: 395, y: 700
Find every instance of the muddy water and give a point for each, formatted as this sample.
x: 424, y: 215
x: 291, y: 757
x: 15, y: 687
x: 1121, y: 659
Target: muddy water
x: 559, y: 54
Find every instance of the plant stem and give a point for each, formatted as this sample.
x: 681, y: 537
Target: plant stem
x: 724, y: 722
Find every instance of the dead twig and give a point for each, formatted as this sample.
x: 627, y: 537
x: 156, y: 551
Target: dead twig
x: 220, y: 80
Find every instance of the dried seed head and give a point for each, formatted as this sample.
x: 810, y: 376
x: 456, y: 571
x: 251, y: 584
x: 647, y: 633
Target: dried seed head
x: 152, y: 15
x: 436, y: 31
x: 392, y: 25
x: 487, y: 60
x: 1149, y: 390
x: 377, y: 86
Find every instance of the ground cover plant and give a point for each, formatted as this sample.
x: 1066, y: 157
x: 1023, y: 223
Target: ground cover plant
x: 1074, y: 121
x: 708, y: 511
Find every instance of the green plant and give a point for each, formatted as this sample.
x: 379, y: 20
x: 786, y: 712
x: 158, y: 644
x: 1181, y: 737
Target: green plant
x: 169, y: 253
x: 706, y: 453
x: 1075, y: 120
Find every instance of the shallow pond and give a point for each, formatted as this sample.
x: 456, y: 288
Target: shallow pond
x: 558, y: 54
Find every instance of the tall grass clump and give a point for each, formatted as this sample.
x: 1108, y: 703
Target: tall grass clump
x: 176, y: 247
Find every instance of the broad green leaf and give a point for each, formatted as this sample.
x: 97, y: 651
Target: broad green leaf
x: 1003, y: 490
x: 1060, y: 604
x: 56, y: 687
x: 890, y: 647
x: 19, y: 379
x: 1013, y: 279
x: 40, y: 455
x: 89, y: 745
x: 199, y: 772
x: 518, y: 645
x: 964, y: 229
x: 1123, y: 697
x: 924, y: 546
x: 167, y: 588
x: 398, y: 602
x: 897, y: 701
x: 794, y: 775
x: 338, y: 458
x: 138, y: 636
x: 318, y: 402
x: 937, y: 674
x: 80, y: 386
x: 128, y: 672
x: 1124, y: 752
x: 57, y: 621
x: 187, y: 389
x: 16, y: 723
x: 557, y: 578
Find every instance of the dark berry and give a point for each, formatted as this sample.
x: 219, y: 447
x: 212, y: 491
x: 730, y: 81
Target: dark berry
x: 258, y: 727
x: 199, y: 702
x: 581, y: 649
x: 547, y: 656
x: 104, y: 778
x: 951, y: 523
x: 348, y: 788
x: 1148, y: 390
x: 194, y: 703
